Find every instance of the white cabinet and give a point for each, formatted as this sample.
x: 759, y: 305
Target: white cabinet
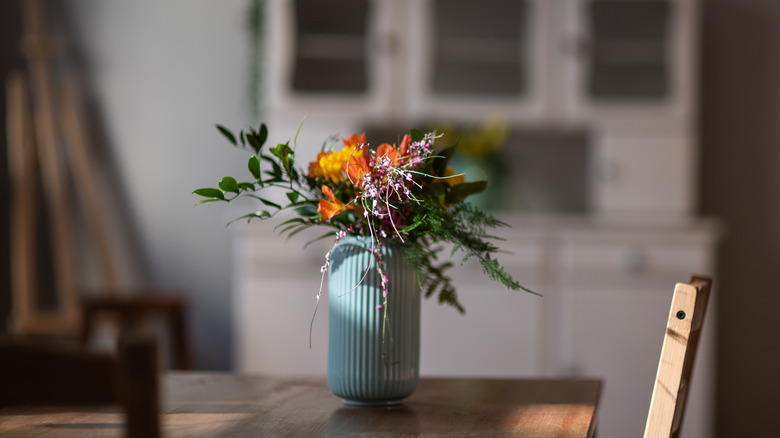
x: 555, y: 62
x: 607, y: 287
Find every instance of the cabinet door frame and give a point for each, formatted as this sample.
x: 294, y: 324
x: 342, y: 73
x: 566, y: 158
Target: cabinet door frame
x: 681, y: 45
x: 422, y: 101
x: 281, y: 98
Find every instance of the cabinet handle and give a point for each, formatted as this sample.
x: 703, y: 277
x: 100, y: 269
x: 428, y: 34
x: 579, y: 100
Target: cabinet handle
x: 386, y: 44
x: 576, y: 46
x: 605, y: 170
x: 635, y: 260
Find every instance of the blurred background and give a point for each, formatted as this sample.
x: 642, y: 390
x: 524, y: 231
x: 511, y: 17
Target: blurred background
x: 628, y: 142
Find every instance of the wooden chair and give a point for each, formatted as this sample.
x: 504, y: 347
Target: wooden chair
x: 683, y: 330
x: 42, y: 373
x: 134, y: 313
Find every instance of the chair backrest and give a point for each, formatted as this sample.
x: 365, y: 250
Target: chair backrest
x: 41, y: 373
x: 683, y: 330
x: 135, y: 312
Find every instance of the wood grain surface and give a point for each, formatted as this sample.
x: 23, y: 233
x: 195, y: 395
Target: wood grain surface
x: 217, y: 404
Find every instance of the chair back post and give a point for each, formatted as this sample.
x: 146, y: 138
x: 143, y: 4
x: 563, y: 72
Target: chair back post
x: 675, y: 367
x: 138, y: 384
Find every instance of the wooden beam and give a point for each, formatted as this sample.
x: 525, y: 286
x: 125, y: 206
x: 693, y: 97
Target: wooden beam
x: 24, y: 190
x: 53, y: 173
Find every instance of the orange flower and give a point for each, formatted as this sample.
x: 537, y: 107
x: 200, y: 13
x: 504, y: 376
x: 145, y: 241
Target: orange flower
x: 332, y: 207
x: 315, y: 169
x: 355, y: 140
x: 396, y: 155
x: 404, y: 148
x: 389, y: 152
x: 356, y: 168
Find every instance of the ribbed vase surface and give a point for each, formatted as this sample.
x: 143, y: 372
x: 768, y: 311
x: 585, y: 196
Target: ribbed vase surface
x: 372, y: 360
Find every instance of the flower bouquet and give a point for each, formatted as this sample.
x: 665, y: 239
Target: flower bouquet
x: 404, y: 194
x: 387, y: 210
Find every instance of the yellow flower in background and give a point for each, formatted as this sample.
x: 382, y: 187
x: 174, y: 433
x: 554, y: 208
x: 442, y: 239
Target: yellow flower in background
x: 477, y: 142
x: 452, y: 177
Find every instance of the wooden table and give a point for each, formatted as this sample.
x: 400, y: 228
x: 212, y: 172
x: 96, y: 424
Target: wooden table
x: 226, y: 405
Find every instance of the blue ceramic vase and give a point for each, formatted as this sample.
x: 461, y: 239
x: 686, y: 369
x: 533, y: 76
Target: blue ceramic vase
x: 372, y: 360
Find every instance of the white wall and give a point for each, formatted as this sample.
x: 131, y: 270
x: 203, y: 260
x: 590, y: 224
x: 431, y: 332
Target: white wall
x: 163, y: 73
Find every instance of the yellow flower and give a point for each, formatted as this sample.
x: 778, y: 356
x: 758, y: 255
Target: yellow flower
x: 330, y: 165
x: 453, y: 178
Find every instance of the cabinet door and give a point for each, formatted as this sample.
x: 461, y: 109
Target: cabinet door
x: 651, y: 175
x: 330, y: 58
x: 470, y: 59
x: 628, y: 59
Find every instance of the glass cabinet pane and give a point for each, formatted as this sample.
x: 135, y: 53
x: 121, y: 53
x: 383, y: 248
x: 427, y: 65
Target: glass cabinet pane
x: 330, y: 46
x: 479, y: 47
x: 629, y: 52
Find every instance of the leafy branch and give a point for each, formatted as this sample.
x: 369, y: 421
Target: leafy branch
x: 269, y: 167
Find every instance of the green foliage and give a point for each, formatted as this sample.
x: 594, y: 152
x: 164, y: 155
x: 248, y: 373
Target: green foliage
x: 278, y: 171
x: 465, y: 228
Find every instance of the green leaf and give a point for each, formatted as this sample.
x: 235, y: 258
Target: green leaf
x: 270, y: 204
x: 295, y: 220
x: 440, y: 162
x: 229, y: 135
x: 417, y: 135
x: 263, y: 134
x: 300, y: 228
x: 289, y: 227
x: 209, y: 193
x: 276, y: 173
x: 207, y: 201
x: 295, y: 139
x: 461, y: 191
x: 418, y: 221
x: 254, y: 166
x: 254, y: 141
x: 437, y: 190
x: 280, y: 150
x: 283, y: 152
x: 292, y: 196
x: 246, y: 186
x: 259, y: 215
x: 306, y: 211
x: 229, y: 184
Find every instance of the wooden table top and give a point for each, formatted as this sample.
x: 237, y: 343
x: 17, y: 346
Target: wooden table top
x: 228, y: 405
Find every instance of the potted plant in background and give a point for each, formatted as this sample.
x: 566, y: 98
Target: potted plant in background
x: 389, y: 210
